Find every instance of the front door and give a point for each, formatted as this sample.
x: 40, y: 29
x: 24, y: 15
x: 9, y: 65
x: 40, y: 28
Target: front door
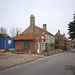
x: 38, y: 48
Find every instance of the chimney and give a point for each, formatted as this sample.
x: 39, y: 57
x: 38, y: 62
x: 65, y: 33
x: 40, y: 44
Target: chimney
x: 32, y: 20
x: 58, y: 31
x: 45, y: 26
x: 32, y: 23
x: 63, y: 34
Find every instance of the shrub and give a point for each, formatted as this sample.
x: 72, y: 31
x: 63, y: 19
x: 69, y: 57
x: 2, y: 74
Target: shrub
x: 46, y: 51
x: 58, y: 46
x: 74, y: 46
x: 7, y: 50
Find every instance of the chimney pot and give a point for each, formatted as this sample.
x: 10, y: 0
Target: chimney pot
x: 63, y: 34
x: 32, y: 20
x: 32, y: 15
x: 59, y: 31
x: 45, y: 26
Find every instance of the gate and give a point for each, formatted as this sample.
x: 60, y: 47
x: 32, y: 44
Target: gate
x: 6, y: 43
x: 2, y: 44
x: 10, y: 44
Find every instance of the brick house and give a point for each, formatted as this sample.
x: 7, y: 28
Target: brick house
x: 34, y: 42
x: 33, y: 29
x: 63, y: 40
x: 73, y: 43
x: 50, y: 38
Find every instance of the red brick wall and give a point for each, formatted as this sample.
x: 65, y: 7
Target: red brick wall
x: 32, y: 44
x: 58, y: 36
x: 19, y: 45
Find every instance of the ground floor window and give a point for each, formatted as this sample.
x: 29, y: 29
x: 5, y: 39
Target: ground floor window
x: 42, y: 45
x: 26, y: 45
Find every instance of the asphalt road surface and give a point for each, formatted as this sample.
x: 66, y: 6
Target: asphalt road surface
x: 59, y: 64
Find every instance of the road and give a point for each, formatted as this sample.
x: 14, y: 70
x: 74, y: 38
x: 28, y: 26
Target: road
x: 58, y: 64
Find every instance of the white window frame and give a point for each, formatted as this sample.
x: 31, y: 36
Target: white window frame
x: 47, y: 37
x: 42, y: 45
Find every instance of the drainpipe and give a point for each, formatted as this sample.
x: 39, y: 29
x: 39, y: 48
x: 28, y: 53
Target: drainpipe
x: 35, y: 45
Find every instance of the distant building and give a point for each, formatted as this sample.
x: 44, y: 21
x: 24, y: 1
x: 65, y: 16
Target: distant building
x: 73, y: 43
x: 47, y: 42
x: 63, y: 40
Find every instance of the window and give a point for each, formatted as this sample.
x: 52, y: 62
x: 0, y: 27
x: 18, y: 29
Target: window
x: 47, y: 37
x: 26, y: 45
x: 42, y: 45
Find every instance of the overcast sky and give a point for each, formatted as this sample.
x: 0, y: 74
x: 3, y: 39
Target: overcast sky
x: 55, y: 13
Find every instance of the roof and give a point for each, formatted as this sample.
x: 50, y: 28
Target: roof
x: 41, y: 30
x: 60, y: 35
x: 73, y: 41
x: 28, y: 36
x: 44, y: 30
x: 65, y: 38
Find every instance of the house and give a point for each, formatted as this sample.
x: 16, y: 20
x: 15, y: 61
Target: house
x: 35, y: 31
x: 63, y: 40
x: 33, y: 42
x: 73, y: 43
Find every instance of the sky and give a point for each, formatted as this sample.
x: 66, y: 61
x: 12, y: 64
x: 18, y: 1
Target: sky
x: 55, y: 13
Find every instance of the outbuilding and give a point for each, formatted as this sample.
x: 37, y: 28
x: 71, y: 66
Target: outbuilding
x: 30, y: 42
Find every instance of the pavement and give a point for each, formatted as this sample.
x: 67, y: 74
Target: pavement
x: 59, y: 64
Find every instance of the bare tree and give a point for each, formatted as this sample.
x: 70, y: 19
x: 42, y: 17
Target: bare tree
x: 15, y: 31
x: 3, y: 30
x: 18, y: 31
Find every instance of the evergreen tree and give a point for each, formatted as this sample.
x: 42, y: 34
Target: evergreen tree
x: 71, y: 28
x: 2, y: 36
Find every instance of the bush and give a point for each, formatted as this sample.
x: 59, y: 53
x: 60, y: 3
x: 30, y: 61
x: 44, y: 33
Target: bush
x: 74, y: 46
x: 58, y: 46
x: 46, y: 51
x: 7, y: 50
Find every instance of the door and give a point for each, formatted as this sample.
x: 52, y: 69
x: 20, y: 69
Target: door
x: 38, y: 48
x: 2, y: 44
x: 10, y: 44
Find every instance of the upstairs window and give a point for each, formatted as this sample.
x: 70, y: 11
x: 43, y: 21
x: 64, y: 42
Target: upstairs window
x: 47, y: 37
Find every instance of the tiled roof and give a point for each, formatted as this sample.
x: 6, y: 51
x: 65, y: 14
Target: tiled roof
x: 65, y: 38
x: 44, y: 30
x: 28, y: 36
x: 62, y: 37
x: 73, y: 41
